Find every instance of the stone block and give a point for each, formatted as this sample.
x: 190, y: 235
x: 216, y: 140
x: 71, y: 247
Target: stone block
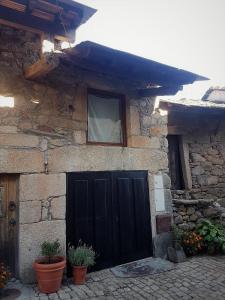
x: 8, y: 129
x: 202, y: 180
x: 212, y: 180
x: 161, y: 243
x: 84, y: 158
x: 101, y: 158
x: 210, y: 212
x: 190, y: 210
x: 166, y: 181
x: 216, y: 160
x: 65, y: 123
x: 42, y: 186
x: 79, y: 137
x: 198, y: 170
x: 144, y: 159
x: 138, y: 141
x: 146, y: 121
x: 193, y: 218
x: 19, y: 140
x: 30, y: 212
x: 31, y: 238
x: 158, y: 131
x: 80, y: 112
x: 21, y: 161
x: 58, y: 208
x: 176, y: 255
x: 197, y: 157
x: 178, y: 219
x: 133, y: 121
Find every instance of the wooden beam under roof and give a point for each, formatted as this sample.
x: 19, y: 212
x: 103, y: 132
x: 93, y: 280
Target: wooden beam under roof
x: 28, y: 20
x: 46, y: 6
x: 160, y: 91
x: 13, y: 5
x: 42, y: 67
x: 57, y: 18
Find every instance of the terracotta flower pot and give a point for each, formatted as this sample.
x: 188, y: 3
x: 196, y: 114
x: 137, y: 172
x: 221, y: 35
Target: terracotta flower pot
x: 49, y: 276
x: 79, y: 274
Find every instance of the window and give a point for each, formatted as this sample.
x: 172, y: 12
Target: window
x: 175, y: 164
x: 105, y: 118
x: 6, y: 101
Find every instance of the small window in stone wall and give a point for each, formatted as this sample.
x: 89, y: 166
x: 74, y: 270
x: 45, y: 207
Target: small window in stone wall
x: 105, y: 118
x: 175, y: 165
x: 6, y: 101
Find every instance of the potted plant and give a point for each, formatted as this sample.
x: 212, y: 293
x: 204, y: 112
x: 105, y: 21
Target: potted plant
x: 80, y: 259
x: 49, y: 268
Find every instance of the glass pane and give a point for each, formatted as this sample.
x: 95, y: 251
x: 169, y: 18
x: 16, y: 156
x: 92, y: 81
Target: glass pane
x: 1, y: 200
x: 104, y: 120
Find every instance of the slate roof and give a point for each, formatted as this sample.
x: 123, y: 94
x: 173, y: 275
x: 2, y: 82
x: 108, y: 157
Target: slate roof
x: 215, y: 95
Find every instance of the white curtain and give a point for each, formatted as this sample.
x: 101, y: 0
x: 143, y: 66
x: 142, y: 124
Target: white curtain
x: 104, y: 122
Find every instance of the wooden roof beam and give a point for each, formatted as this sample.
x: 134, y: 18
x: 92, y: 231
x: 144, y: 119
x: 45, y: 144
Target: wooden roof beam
x: 160, y: 91
x: 42, y: 67
x: 42, y: 25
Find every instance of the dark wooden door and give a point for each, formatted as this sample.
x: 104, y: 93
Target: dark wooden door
x: 8, y: 221
x: 175, y: 167
x: 110, y: 211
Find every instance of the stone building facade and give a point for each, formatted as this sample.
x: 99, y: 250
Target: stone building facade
x: 43, y: 137
x: 200, y: 127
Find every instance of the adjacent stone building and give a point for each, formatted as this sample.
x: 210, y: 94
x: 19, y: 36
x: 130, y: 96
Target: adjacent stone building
x: 196, y: 134
x: 50, y: 128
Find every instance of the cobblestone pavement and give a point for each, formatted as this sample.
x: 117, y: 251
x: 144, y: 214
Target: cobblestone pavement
x: 198, y: 278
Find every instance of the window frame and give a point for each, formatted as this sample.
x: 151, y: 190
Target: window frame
x: 122, y: 112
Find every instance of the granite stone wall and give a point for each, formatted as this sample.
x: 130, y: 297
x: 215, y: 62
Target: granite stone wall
x: 44, y: 136
x: 205, y: 138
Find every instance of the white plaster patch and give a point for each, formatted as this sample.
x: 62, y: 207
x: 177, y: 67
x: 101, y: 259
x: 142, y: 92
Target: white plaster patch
x: 159, y: 193
x: 159, y: 200
x: 158, y: 181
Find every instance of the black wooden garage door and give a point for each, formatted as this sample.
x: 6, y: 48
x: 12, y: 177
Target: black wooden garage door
x: 110, y: 211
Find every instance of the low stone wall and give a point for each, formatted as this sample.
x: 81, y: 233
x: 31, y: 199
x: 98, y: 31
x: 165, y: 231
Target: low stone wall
x: 188, y: 213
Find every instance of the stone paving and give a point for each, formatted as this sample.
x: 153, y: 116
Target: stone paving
x: 198, y: 278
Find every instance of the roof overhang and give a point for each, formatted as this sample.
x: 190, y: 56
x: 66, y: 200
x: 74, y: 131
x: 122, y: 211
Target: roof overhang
x: 191, y: 106
x: 59, y: 18
x: 159, y: 79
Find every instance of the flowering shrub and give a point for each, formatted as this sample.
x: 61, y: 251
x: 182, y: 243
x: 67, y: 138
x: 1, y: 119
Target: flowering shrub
x: 213, y: 236
x: 4, y: 275
x: 192, y: 242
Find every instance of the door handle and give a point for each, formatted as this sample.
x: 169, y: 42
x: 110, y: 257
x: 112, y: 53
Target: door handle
x: 12, y: 222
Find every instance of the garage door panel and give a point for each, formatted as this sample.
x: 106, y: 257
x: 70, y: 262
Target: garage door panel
x: 142, y: 219
x: 126, y: 218
x: 102, y: 219
x: 110, y: 211
x: 82, y: 211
